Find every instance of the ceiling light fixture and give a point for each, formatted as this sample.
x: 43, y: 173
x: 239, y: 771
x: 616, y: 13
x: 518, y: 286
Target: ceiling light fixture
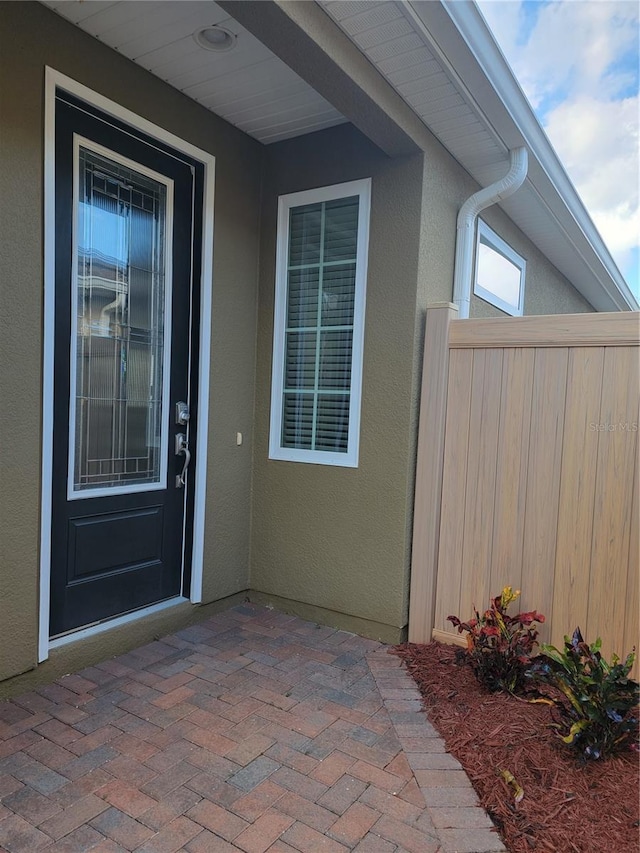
x: 215, y: 38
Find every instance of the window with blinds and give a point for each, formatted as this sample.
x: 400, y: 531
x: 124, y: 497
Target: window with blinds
x: 319, y: 324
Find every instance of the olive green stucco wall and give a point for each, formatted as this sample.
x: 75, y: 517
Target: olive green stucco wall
x: 339, y: 539
x: 328, y: 536
x: 31, y: 37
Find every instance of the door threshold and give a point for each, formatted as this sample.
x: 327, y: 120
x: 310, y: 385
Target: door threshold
x: 116, y: 622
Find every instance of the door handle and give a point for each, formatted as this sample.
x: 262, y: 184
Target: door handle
x: 182, y: 448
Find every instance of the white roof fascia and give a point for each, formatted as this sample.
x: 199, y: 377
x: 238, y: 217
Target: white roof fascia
x: 507, y: 111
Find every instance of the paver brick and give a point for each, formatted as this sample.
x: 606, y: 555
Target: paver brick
x: 305, y: 811
x: 471, y: 841
x: 341, y: 795
x: 33, y: 773
x: 298, y: 782
x: 207, y: 842
x: 460, y: 818
x: 372, y: 843
x: 433, y: 761
x: 451, y: 797
x: 249, y: 749
x: 213, y: 741
x: 172, y: 837
x: 91, y: 760
x: 354, y: 824
x: 256, y: 802
x: 171, y: 806
x: 31, y: 805
x: 386, y: 803
x: 422, y: 744
x: 411, y: 839
x: 79, y: 841
x: 293, y: 758
x: 121, y: 828
x: 442, y: 778
x: 412, y: 793
x: 9, y: 784
x: 331, y: 768
x: 368, y: 773
x: 169, y: 780
x: 255, y: 772
x: 18, y: 836
x: 125, y: 797
x: 307, y: 840
x: 73, y: 791
x: 133, y: 771
x: 50, y: 754
x: 217, y: 819
x: 258, y: 837
x: 75, y: 815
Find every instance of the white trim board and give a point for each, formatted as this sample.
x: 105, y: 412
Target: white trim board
x: 55, y: 80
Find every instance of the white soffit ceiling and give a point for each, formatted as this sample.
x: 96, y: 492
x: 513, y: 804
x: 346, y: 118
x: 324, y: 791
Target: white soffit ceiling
x: 386, y: 34
x: 248, y: 86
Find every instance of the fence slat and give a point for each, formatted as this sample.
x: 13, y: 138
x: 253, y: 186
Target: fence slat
x: 543, y: 484
x: 577, y: 490
x: 426, y: 524
x: 481, y: 480
x: 613, y: 499
x: 452, y: 520
x: 632, y: 616
x: 511, y: 475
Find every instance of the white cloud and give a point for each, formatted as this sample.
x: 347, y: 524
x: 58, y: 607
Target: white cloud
x: 577, y: 63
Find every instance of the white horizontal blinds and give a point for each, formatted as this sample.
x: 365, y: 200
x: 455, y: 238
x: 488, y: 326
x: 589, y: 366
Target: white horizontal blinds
x: 321, y: 286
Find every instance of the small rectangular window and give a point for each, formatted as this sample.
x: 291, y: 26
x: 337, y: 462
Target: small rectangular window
x: 500, y: 272
x: 321, y: 268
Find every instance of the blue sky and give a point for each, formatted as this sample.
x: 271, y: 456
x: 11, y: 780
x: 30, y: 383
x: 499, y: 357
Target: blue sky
x: 578, y: 63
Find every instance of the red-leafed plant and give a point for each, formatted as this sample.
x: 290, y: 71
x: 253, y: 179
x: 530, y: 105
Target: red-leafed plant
x: 500, y: 647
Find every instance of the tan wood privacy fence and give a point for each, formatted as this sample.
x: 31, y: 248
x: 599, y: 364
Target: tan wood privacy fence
x: 528, y: 472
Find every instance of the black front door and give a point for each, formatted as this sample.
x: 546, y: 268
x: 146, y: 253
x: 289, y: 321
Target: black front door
x: 128, y: 225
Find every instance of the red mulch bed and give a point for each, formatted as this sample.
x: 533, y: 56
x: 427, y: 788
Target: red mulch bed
x: 567, y: 807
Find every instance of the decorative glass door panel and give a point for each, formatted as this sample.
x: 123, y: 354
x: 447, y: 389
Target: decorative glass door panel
x: 127, y: 267
x: 122, y: 320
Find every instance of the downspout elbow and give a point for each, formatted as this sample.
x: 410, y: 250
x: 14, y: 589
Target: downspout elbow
x: 501, y: 189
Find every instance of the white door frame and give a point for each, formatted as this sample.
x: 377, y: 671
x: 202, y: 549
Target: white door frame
x: 55, y: 80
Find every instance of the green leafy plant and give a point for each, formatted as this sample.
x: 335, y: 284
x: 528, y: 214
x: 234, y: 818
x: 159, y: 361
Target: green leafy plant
x: 596, y: 712
x: 500, y: 647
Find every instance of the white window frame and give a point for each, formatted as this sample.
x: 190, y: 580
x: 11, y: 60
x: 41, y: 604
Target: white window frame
x: 495, y: 242
x: 362, y: 189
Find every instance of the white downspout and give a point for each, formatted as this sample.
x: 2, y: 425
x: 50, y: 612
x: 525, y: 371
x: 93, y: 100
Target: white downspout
x: 495, y: 192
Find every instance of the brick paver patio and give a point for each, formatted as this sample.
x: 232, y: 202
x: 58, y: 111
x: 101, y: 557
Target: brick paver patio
x: 254, y: 731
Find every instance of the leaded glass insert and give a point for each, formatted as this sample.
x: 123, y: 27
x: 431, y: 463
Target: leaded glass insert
x: 120, y: 328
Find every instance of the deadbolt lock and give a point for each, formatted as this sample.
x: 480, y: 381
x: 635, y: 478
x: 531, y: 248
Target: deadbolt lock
x: 182, y: 413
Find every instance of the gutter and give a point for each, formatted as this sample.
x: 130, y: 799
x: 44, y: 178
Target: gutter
x: 466, y: 225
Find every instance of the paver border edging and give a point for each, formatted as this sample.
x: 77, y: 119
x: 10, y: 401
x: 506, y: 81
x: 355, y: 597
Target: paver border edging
x: 462, y: 824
